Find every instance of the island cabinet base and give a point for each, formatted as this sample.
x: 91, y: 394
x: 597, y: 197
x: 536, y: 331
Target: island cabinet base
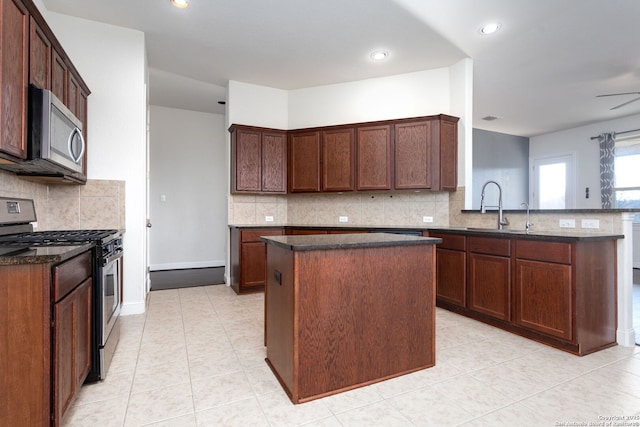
x: 337, y: 319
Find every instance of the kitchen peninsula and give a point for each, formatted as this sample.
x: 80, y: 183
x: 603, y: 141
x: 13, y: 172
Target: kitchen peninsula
x: 346, y: 310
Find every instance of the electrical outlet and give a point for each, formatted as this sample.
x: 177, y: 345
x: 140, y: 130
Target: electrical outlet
x: 590, y: 223
x: 567, y: 223
x: 163, y: 198
x: 343, y: 218
x: 268, y: 218
x: 427, y: 219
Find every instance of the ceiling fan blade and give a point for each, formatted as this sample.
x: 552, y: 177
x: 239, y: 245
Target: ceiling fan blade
x: 617, y: 94
x: 626, y: 103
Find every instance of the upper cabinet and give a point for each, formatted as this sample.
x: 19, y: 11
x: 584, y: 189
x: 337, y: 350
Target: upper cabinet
x: 14, y: 60
x: 31, y: 54
x: 304, y: 162
x: 259, y: 160
x: 407, y: 154
x: 373, y: 165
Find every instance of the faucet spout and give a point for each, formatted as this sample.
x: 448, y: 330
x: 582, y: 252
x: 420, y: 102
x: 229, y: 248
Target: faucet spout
x: 502, y: 221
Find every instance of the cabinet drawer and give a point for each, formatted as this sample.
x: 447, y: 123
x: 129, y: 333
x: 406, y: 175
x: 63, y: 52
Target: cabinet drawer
x: 544, y: 251
x: 254, y: 235
x: 454, y: 242
x: 490, y: 246
x: 70, y: 274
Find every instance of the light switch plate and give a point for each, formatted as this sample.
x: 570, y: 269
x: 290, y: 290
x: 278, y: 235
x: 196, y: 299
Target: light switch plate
x: 343, y: 218
x: 567, y: 223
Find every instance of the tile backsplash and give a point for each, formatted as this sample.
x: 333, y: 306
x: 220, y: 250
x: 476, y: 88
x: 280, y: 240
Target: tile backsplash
x: 395, y: 209
x: 98, y: 204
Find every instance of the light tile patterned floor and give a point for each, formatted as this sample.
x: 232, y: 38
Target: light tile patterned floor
x: 196, y: 359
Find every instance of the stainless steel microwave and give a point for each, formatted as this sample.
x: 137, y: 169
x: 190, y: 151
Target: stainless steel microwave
x: 55, y: 138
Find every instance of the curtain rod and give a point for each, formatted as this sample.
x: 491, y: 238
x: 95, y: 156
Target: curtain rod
x: 618, y: 133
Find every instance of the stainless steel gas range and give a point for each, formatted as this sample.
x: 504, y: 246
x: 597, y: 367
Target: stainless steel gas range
x: 17, y: 238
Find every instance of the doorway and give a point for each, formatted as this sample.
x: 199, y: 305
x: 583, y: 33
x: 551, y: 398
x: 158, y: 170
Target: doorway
x: 553, y: 182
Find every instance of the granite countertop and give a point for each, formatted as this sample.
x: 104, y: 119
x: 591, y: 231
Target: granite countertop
x: 559, y: 236
x: 40, y: 254
x: 345, y: 241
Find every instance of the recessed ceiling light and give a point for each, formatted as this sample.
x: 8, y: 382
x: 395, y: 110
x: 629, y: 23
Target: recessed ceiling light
x: 182, y: 4
x: 490, y: 28
x: 379, y: 55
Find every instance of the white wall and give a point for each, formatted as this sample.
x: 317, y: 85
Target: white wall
x: 407, y: 95
x: 578, y: 140
x: 112, y: 61
x: 188, y: 166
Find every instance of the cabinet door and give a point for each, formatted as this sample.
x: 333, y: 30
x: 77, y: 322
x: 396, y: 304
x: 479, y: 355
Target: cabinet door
x: 253, y: 261
x: 413, y: 158
x: 39, y: 57
x: 71, y: 346
x: 274, y: 162
x: 451, y: 273
x: 304, y: 162
x: 373, y: 164
x: 14, y: 63
x: 247, y: 148
x: 73, y: 94
x: 543, y: 298
x: 489, y: 285
x: 338, y: 160
x: 59, y: 79
x: 448, y: 144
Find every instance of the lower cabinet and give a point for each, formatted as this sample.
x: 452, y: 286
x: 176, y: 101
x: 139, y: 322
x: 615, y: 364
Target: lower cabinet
x: 45, y: 337
x: 451, y: 269
x: 543, y: 298
x: 561, y: 293
x: 71, y: 345
x: 490, y: 276
x: 249, y: 258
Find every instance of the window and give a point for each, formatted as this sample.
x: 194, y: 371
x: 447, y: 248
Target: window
x: 626, y: 191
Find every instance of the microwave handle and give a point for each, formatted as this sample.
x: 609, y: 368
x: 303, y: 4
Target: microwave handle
x: 75, y: 158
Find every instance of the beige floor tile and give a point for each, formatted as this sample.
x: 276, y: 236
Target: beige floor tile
x: 243, y: 413
x: 214, y: 391
x: 105, y: 413
x: 197, y: 358
x: 159, y: 405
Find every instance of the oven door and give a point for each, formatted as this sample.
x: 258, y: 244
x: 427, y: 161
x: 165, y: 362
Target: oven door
x: 111, y: 286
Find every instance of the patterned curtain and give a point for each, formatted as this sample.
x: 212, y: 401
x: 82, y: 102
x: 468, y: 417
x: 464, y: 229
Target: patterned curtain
x: 607, y: 157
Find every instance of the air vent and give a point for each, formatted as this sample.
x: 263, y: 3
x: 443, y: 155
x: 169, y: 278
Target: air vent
x: 489, y: 118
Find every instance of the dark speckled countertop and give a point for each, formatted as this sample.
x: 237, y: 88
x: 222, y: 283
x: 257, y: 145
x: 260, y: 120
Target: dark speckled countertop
x: 41, y: 254
x: 345, y: 241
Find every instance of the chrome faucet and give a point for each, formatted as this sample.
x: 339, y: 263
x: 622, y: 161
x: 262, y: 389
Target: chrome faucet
x: 502, y: 221
x: 528, y: 224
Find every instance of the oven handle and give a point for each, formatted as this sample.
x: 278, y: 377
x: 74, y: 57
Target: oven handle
x: 114, y: 256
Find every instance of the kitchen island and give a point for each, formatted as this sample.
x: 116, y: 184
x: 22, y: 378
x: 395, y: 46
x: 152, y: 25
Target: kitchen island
x: 344, y: 311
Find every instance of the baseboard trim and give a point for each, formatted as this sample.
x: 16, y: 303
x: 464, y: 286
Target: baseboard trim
x: 129, y: 308
x: 186, y: 265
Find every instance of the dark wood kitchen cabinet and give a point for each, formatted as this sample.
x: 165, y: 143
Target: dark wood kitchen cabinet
x: 40, y: 56
x: 426, y: 153
x: 373, y: 151
x: 31, y: 54
x: 258, y: 160
x: 304, y: 161
x: 561, y: 292
x: 490, y: 276
x: 413, y: 169
x: 338, y: 159
x: 45, y: 328
x: 14, y: 60
x: 249, y: 257
x: 322, y: 160
x: 451, y: 269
